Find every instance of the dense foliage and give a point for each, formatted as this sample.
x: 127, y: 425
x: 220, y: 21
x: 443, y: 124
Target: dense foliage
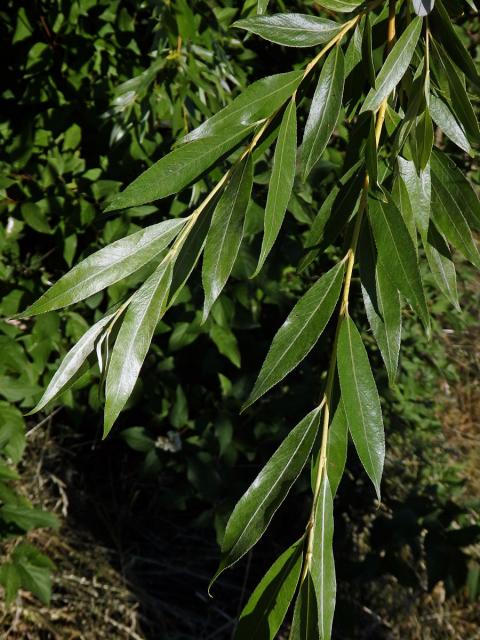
x: 108, y: 109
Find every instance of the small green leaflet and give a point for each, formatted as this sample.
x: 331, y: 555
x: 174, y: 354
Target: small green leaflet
x: 382, y: 304
x: 179, y: 168
x: 458, y: 188
x: 323, y: 565
x: 340, y: 6
x: 226, y: 232
x: 107, y: 266
x: 305, y: 614
x: 291, y: 29
x: 361, y: 401
x: 133, y: 340
x: 255, y: 509
x: 299, y: 332
x: 441, y: 265
x: 267, y: 606
x: 394, y: 67
x: 444, y: 118
x: 324, y: 110
x: 397, y: 253
x: 259, y: 101
x: 337, y: 447
x: 72, y: 362
x: 281, y: 182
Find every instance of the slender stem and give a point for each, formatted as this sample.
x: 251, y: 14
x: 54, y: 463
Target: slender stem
x: 343, y: 313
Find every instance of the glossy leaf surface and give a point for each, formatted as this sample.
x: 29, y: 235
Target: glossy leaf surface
x: 291, y: 29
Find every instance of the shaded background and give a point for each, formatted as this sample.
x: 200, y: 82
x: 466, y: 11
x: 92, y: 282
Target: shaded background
x: 93, y: 92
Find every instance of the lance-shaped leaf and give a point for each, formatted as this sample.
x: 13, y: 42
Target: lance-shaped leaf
x: 382, y: 304
x: 281, y: 182
x: 133, y: 341
x: 256, y: 507
x: 179, y: 168
x: 337, y: 446
x: 267, y: 606
x: 444, y: 118
x: 423, y: 139
x: 458, y: 188
x: 299, y: 332
x: 305, y: 614
x: 324, y: 110
x: 340, y: 6
x: 72, y: 363
x: 361, y: 401
x: 226, y: 232
x: 259, y: 101
x: 262, y: 6
x: 291, y: 29
x: 323, y: 565
x: 367, y: 50
x: 441, y: 265
x: 396, y: 252
x: 401, y: 198
x: 394, y: 66
x: 419, y: 189
x: 444, y: 31
x: 107, y: 266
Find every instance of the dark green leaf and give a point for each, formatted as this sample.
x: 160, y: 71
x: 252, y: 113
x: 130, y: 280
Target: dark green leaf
x: 281, y: 182
x: 256, y: 507
x: 324, y: 110
x: 394, y: 67
x: 441, y: 265
x: 402, y: 200
x: 299, y: 332
x: 107, y: 266
x: 226, y: 233
x: 305, y: 614
x: 11, y: 581
x: 260, y: 100
x: 323, y: 565
x: 444, y: 118
x: 179, y: 168
x: 371, y: 155
x: 291, y: 29
x: 367, y: 54
x: 72, y: 362
x: 361, y: 401
x: 419, y: 190
x: 133, y: 341
x: 267, y: 606
x: 423, y: 139
x: 337, y: 447
x: 397, y: 254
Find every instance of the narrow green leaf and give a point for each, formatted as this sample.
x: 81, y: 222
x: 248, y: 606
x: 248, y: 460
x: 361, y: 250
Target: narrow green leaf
x: 305, y: 614
x: 458, y: 188
x: 462, y: 107
x: 72, y: 362
x: 394, y: 67
x: 337, y: 447
x: 323, y: 565
x: 256, y: 507
x: 361, y: 401
x: 367, y: 52
x: 441, y: 265
x: 444, y: 118
x: 443, y: 26
x: 133, y: 341
x: 397, y: 254
x: 448, y: 213
x: 262, y: 6
x: 402, y: 200
x: 382, y: 304
x: 419, y: 189
x: 267, y: 606
x: 423, y: 139
x: 291, y: 29
x: 324, y: 110
x: 340, y: 6
x: 371, y: 154
x: 259, y: 101
x: 226, y: 233
x: 107, y: 266
x: 281, y: 182
x: 299, y: 332
x: 179, y: 168
x: 11, y: 581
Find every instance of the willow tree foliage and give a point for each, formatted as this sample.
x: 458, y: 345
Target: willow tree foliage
x: 391, y: 73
